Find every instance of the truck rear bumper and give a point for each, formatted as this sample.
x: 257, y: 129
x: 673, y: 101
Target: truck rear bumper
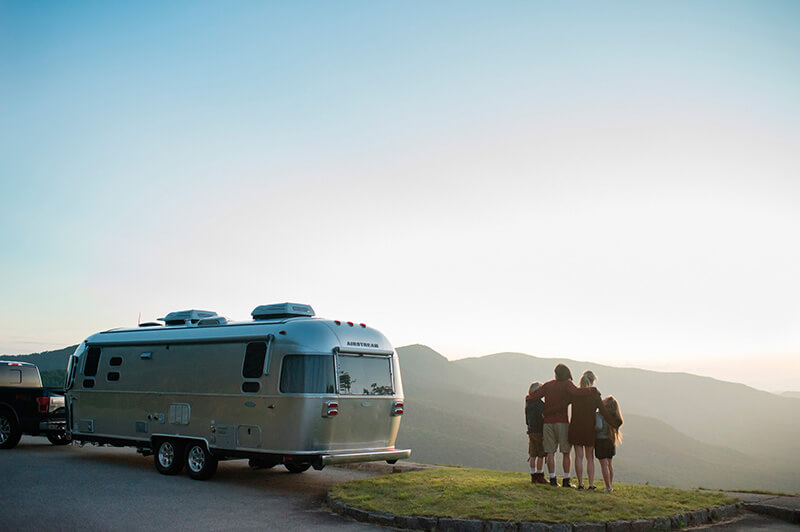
x: 53, y: 425
x: 370, y: 456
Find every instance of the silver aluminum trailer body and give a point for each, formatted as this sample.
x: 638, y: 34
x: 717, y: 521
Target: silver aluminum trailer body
x: 297, y: 390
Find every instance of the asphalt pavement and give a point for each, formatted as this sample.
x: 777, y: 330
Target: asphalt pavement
x: 43, y: 487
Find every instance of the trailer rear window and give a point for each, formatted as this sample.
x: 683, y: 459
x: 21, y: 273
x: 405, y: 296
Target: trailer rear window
x: 307, y: 374
x: 365, y: 375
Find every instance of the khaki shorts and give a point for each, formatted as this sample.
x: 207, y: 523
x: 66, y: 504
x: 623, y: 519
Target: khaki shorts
x: 535, y: 446
x: 556, y: 436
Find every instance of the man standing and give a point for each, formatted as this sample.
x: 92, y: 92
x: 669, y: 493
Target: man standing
x: 557, y: 395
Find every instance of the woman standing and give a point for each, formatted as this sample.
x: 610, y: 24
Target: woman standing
x: 582, y: 428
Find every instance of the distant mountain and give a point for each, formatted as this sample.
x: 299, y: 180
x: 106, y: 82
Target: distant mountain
x: 46, y: 360
x: 463, y: 412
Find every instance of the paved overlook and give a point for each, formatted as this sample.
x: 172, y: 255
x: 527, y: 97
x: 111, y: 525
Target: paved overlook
x: 101, y: 488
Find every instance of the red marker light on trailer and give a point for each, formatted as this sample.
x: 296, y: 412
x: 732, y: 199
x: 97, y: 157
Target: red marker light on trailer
x: 350, y: 323
x: 363, y: 325
x: 337, y: 322
x: 282, y: 332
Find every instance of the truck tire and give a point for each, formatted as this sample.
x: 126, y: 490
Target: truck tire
x: 58, y: 438
x: 200, y: 463
x: 168, y: 456
x: 296, y: 468
x: 10, y: 432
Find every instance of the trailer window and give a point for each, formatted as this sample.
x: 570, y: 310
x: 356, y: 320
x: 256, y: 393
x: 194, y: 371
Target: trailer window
x: 365, y: 375
x: 254, y: 360
x: 92, y: 360
x: 307, y: 374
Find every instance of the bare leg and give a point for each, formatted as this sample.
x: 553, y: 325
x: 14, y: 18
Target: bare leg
x: 540, y: 463
x: 606, y: 474
x: 590, y: 464
x: 551, y: 463
x: 579, y: 464
x: 566, y: 463
x: 610, y: 472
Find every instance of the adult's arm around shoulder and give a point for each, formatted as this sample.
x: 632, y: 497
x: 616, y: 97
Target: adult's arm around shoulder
x: 611, y: 419
x: 574, y: 390
x: 537, y: 394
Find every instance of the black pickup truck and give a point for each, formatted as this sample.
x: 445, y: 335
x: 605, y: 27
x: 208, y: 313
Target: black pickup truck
x: 28, y: 408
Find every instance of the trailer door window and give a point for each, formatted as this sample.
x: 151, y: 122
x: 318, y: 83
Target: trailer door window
x: 92, y: 360
x: 307, y: 374
x: 254, y: 358
x: 365, y: 375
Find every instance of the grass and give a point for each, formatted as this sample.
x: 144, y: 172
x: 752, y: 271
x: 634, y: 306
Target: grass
x: 507, y: 496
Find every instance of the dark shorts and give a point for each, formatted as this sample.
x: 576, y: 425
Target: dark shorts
x: 535, y: 446
x: 603, y: 448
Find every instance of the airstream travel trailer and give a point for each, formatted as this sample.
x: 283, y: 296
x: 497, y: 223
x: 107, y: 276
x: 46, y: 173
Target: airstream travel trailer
x: 286, y: 388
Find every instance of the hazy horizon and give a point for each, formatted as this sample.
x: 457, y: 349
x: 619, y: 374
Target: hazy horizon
x: 615, y: 183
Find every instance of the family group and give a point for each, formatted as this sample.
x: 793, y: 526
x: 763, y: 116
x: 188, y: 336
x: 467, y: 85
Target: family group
x: 594, y: 429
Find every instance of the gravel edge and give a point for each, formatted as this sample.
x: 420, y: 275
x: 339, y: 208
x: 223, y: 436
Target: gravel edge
x: 450, y: 524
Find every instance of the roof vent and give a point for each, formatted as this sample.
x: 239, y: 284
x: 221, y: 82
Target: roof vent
x: 281, y: 310
x: 187, y: 317
x: 205, y: 322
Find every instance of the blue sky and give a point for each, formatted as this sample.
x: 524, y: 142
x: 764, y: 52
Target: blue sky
x: 615, y: 182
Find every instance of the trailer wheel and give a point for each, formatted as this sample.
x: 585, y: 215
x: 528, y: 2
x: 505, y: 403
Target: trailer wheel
x: 58, y: 438
x: 168, y: 456
x: 200, y: 463
x: 296, y: 468
x: 10, y: 432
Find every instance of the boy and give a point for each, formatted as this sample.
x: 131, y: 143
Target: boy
x: 534, y: 420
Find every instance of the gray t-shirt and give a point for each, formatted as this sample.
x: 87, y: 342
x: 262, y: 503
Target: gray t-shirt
x: 601, y: 427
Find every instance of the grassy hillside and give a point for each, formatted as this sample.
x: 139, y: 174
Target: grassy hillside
x: 503, y: 496
x: 446, y: 426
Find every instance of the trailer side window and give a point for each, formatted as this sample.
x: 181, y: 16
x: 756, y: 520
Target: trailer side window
x: 92, y: 360
x: 115, y: 361
x: 254, y: 360
x: 365, y: 375
x: 307, y: 374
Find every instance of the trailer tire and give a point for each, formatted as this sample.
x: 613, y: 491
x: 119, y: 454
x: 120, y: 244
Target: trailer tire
x: 58, y: 438
x: 200, y: 463
x: 10, y: 433
x: 168, y: 456
x: 296, y: 468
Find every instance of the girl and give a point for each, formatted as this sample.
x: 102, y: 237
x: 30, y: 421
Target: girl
x: 608, y: 437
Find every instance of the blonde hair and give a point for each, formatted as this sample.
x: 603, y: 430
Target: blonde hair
x: 612, y: 406
x: 534, y: 386
x: 587, y: 379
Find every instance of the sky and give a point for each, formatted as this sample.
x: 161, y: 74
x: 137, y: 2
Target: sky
x: 612, y: 182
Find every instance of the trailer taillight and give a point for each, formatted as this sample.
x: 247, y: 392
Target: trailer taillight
x: 397, y: 408
x: 44, y: 404
x: 330, y: 409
